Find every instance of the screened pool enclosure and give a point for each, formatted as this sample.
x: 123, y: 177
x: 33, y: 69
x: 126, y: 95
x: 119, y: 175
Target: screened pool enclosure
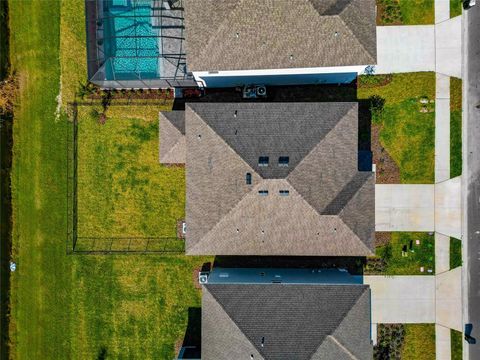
x: 136, y: 44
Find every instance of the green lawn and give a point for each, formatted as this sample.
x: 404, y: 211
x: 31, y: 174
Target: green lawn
x: 455, y: 127
x: 407, y: 133
x: 122, y: 189
x: 407, y: 264
x: 455, y: 253
x: 80, y: 307
x: 455, y: 8
x: 3, y: 39
x: 419, y: 342
x: 405, y: 12
x: 457, y: 344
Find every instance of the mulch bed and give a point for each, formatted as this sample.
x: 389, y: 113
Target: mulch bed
x: 154, y: 94
x: 387, y: 171
x: 196, y: 271
x: 180, y: 233
x: 382, y: 238
x: 178, y: 346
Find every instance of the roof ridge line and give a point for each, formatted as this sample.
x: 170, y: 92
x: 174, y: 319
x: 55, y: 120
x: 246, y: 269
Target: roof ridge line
x: 313, y: 148
x: 341, y: 322
x: 334, y: 339
x: 170, y: 151
x: 358, y: 240
x: 337, y: 216
x: 355, y: 36
x: 342, y: 347
x: 238, y: 155
x: 341, y: 218
x: 230, y: 211
x: 355, y: 175
x: 233, y: 321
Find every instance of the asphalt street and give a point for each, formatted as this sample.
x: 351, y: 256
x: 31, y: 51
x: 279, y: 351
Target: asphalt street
x: 471, y: 76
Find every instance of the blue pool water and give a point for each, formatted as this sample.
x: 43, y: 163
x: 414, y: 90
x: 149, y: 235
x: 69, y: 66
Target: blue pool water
x: 130, y: 41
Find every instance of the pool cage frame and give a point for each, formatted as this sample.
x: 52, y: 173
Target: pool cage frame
x: 168, y: 18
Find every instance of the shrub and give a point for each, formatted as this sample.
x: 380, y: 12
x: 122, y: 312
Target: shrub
x: 8, y: 94
x: 86, y: 89
x: 377, y: 104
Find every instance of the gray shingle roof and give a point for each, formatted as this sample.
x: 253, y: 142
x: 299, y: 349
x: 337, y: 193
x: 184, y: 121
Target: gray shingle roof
x: 252, y: 34
x: 329, y: 208
x: 172, y: 137
x: 291, y: 321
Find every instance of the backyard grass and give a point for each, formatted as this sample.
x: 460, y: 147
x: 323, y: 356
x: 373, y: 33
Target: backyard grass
x: 455, y: 8
x: 80, y: 307
x: 73, y: 48
x: 405, y: 12
x: 455, y: 253
x: 456, y: 339
x: 122, y: 189
x: 407, y: 125
x: 3, y: 39
x: 455, y: 127
x: 419, y: 342
x: 416, y: 256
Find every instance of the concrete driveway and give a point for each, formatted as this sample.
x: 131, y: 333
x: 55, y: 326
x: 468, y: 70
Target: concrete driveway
x: 401, y: 207
x: 402, y: 299
x: 405, y: 49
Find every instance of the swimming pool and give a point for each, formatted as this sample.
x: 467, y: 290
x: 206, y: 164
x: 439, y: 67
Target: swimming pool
x: 130, y: 41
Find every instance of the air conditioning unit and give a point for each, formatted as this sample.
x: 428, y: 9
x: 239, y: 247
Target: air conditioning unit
x: 261, y: 90
x: 254, y: 91
x: 203, y: 277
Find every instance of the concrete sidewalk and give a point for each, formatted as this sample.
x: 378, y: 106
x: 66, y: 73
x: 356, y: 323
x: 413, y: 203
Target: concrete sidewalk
x: 448, y: 295
x: 443, y: 345
x: 442, y: 10
x: 448, y: 207
x: 448, y: 47
x: 442, y: 253
x: 442, y: 128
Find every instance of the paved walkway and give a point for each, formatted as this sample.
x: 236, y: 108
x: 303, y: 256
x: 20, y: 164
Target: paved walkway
x: 402, y: 299
x: 442, y: 10
x: 442, y: 253
x: 443, y: 346
x: 448, y: 207
x: 442, y: 128
x: 448, y: 294
x: 448, y: 47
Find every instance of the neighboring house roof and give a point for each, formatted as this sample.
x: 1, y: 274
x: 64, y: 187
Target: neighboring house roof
x: 252, y: 34
x: 328, y: 205
x: 172, y: 137
x: 280, y: 321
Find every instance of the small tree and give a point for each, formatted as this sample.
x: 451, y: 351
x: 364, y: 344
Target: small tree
x: 85, y: 89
